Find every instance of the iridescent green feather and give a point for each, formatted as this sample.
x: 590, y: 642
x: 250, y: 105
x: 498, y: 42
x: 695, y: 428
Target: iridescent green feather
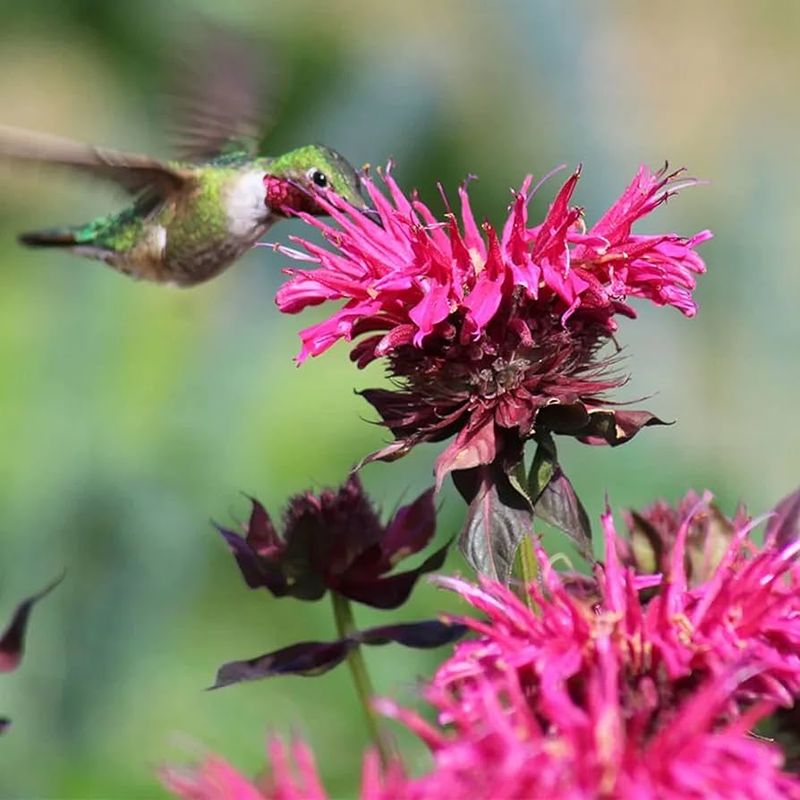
x: 202, y: 214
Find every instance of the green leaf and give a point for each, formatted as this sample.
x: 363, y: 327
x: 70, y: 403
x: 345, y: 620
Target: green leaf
x: 545, y: 462
x: 517, y: 477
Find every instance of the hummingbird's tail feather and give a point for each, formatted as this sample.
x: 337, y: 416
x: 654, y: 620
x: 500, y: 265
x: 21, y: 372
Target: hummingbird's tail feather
x: 81, y: 241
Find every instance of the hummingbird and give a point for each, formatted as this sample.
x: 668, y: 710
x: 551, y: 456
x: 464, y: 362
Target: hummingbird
x: 191, y: 218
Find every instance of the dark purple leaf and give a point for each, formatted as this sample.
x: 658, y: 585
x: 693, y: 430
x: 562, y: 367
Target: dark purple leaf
x: 616, y: 427
x: 567, y: 419
x: 411, y: 528
x: 559, y: 505
x: 423, y: 635
x: 308, y: 542
x: 474, y: 447
x: 355, y: 524
x: 498, y: 518
x: 309, y: 659
x: 307, y: 554
x: 398, y: 410
x: 261, y: 533
x: 12, y: 642
x: 784, y: 526
x: 257, y: 572
x: 391, y: 591
x: 5, y: 724
x: 391, y: 452
x: 304, y: 658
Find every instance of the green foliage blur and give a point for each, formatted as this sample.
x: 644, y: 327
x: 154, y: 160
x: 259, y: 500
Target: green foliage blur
x: 130, y: 415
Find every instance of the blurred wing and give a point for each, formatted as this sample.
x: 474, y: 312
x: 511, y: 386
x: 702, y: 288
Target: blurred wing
x: 223, y: 90
x: 135, y: 173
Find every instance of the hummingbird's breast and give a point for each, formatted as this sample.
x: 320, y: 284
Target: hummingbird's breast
x: 216, y: 224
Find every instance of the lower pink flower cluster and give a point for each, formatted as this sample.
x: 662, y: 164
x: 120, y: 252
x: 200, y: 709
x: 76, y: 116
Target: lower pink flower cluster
x: 637, y: 686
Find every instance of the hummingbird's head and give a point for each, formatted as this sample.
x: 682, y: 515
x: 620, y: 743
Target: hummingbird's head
x: 296, y: 181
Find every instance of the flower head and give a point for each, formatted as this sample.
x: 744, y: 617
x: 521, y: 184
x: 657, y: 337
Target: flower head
x: 582, y: 742
x: 293, y: 776
x: 486, y: 332
x: 654, y: 531
x: 623, y: 693
x: 498, y: 744
x: 335, y: 540
x: 670, y: 636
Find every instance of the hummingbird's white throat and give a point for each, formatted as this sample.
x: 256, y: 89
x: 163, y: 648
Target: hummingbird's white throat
x: 246, y: 206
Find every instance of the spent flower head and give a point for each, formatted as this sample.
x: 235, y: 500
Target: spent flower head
x: 335, y: 541
x: 491, y: 336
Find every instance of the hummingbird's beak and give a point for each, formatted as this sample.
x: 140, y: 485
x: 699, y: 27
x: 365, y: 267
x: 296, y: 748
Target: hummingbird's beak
x: 369, y: 212
x: 372, y: 215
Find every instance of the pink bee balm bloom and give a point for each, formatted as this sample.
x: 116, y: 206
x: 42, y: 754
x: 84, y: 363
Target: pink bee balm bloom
x: 580, y: 743
x: 670, y: 636
x: 483, y: 330
x: 293, y: 776
x: 584, y: 743
x: 214, y: 779
x: 499, y: 743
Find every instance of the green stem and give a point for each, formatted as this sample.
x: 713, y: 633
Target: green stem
x: 526, y: 569
x: 345, y: 625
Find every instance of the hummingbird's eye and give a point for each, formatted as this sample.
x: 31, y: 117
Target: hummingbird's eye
x: 318, y: 178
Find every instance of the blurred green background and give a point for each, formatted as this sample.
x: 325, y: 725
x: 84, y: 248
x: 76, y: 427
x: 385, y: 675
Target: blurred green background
x: 130, y: 415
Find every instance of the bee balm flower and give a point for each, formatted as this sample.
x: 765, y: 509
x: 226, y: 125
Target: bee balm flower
x: 490, y: 336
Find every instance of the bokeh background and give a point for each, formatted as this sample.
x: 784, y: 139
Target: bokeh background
x: 130, y: 415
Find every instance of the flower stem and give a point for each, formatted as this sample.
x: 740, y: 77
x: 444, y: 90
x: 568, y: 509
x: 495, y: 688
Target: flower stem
x: 526, y: 569
x: 345, y: 625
